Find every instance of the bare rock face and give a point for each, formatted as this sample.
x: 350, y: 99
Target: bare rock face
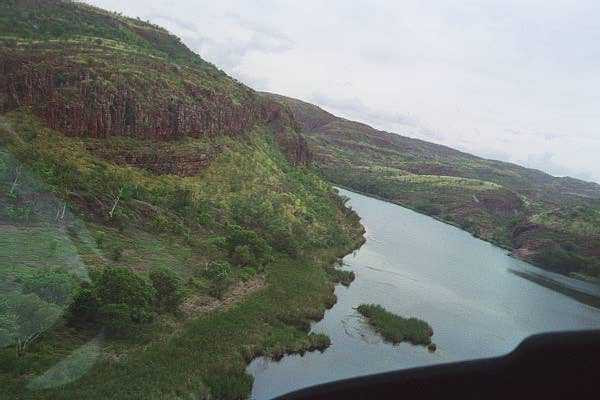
x: 294, y: 147
x: 96, y: 92
x: 93, y: 101
x: 287, y: 135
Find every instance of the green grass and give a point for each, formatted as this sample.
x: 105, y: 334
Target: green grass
x: 167, y: 221
x: 341, y: 276
x: 79, y: 195
x: 210, y: 353
x: 394, y: 328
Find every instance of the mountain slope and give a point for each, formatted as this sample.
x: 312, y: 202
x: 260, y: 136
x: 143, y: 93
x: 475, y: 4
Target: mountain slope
x: 552, y: 222
x: 149, y: 204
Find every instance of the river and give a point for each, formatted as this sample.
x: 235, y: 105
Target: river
x: 479, y: 301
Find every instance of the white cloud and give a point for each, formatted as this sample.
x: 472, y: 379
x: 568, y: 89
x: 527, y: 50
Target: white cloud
x: 513, y: 78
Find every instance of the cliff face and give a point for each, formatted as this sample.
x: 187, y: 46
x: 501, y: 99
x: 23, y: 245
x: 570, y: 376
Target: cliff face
x: 113, y: 76
x: 92, y: 100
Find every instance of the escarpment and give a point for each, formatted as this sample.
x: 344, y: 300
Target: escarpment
x: 93, y: 88
x: 80, y: 97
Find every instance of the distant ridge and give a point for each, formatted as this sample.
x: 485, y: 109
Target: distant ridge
x: 553, y: 222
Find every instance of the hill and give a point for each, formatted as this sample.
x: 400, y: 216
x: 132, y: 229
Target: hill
x: 553, y: 222
x: 159, y: 226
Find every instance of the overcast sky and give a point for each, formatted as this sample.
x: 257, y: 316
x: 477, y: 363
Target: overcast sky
x: 512, y: 80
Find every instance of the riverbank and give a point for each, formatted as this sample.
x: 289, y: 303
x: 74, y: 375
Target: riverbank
x: 511, y: 251
x: 210, y: 353
x: 415, y: 266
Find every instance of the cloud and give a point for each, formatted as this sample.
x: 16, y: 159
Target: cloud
x: 237, y: 38
x: 355, y: 107
x: 547, y: 162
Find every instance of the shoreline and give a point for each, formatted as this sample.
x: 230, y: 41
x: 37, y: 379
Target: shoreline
x: 510, y: 251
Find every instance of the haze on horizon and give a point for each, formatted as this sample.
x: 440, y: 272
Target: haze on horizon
x: 510, y: 80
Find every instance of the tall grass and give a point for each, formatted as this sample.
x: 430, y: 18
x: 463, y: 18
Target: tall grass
x: 395, y: 328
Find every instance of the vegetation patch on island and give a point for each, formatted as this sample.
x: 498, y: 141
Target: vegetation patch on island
x: 396, y: 329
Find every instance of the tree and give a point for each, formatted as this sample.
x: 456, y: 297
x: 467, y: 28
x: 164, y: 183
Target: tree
x: 117, y: 300
x: 258, y: 247
x: 219, y: 273
x: 124, y: 193
x: 167, y: 285
x: 242, y: 256
x: 118, y: 285
x: 85, y: 306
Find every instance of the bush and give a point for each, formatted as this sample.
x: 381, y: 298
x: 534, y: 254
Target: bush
x: 116, y: 319
x: 120, y: 286
x: 341, y: 276
x: 242, y: 256
x: 258, y: 247
x: 85, y: 305
x: 8, y: 324
x: 118, y: 300
x: 220, y: 274
x: 168, y: 288
x: 559, y: 260
x: 286, y: 240
x: 247, y: 273
x: 111, y: 247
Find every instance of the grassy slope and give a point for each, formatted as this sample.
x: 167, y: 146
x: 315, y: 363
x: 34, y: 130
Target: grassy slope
x: 81, y: 204
x: 271, y: 322
x: 546, y: 220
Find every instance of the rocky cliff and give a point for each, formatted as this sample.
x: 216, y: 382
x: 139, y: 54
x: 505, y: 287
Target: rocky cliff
x: 125, y: 77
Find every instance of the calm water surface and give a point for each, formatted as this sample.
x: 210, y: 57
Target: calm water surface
x: 479, y: 301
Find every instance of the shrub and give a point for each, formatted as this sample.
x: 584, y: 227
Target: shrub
x: 247, y: 273
x: 118, y: 285
x: 242, y: 256
x: 85, y: 305
x: 285, y: 240
x: 118, y: 299
x: 168, y: 288
x: 112, y: 247
x: 116, y: 319
x: 220, y: 274
x: 8, y: 324
x: 258, y: 247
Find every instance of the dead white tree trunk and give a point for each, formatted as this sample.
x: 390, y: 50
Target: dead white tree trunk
x: 116, y: 202
x: 16, y: 181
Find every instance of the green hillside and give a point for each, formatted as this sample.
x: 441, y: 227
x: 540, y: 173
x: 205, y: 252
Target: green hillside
x: 159, y: 226
x: 549, y: 221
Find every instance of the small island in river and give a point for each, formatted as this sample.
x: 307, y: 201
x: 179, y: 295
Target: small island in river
x: 395, y: 329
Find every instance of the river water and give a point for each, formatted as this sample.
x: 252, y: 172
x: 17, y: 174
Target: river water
x: 479, y: 301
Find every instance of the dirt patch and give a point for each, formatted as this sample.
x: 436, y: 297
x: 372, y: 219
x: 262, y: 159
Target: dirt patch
x: 202, y: 304
x: 524, y: 253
